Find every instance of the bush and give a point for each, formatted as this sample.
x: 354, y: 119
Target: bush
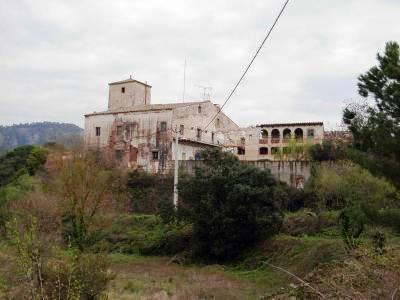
x: 148, y: 190
x: 351, y: 222
x: 231, y: 206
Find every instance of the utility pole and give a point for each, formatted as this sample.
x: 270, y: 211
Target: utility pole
x: 184, y: 82
x: 176, y: 169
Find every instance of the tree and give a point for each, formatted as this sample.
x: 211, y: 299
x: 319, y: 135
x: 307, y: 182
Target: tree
x: 376, y: 129
x: 82, y: 185
x: 231, y: 206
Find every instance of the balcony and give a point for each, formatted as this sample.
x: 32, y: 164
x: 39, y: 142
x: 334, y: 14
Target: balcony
x: 263, y: 141
x: 275, y: 140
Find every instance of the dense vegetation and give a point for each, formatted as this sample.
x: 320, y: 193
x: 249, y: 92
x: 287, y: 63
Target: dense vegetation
x: 38, y: 134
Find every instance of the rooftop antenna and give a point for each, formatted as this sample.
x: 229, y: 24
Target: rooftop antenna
x: 184, y: 82
x: 206, y: 92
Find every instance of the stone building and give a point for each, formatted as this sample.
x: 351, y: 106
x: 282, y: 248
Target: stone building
x: 141, y: 135
x: 272, y: 141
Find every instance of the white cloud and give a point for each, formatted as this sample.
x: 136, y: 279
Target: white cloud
x: 56, y: 57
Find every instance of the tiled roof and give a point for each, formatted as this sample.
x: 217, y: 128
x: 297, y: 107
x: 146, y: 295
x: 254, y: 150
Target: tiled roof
x: 151, y: 107
x: 128, y: 81
x: 291, y: 124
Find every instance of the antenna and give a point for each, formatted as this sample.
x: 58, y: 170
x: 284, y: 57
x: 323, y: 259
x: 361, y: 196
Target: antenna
x: 206, y: 92
x: 184, y: 82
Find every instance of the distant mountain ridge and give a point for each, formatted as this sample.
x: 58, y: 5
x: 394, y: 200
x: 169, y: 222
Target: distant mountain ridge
x: 38, y: 133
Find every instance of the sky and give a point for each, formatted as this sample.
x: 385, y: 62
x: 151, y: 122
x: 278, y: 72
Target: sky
x: 57, y: 57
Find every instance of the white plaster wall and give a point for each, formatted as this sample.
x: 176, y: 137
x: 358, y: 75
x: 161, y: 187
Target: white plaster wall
x: 135, y: 94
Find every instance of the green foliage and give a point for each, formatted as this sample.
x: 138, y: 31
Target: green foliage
x: 376, y: 129
x: 82, y: 186
x: 379, y: 241
x: 149, y: 191
x: 327, y: 151
x: 351, y: 222
x: 231, y: 206
x: 51, y: 273
x: 345, y: 184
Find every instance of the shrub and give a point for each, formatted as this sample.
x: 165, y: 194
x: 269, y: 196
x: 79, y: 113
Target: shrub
x: 148, y: 190
x: 231, y: 206
x: 351, y: 222
x: 378, y: 241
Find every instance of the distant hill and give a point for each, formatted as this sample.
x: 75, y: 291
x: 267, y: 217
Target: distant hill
x: 38, y: 134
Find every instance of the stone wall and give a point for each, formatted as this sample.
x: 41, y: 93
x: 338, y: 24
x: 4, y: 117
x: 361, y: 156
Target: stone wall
x: 294, y: 173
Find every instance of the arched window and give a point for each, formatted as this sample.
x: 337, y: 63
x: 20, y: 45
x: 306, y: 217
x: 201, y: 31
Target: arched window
x: 199, y: 109
x: 275, y: 136
x: 298, y: 133
x: 263, y: 151
x: 264, y: 136
x: 286, y: 134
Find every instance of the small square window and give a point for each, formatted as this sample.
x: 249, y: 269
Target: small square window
x: 123, y: 90
x: 263, y: 151
x: 155, y: 155
x: 97, y: 131
x: 163, y: 126
x: 119, y: 130
x: 198, y: 134
x: 310, y: 133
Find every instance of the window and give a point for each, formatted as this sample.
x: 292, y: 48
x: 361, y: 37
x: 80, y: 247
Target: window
x: 298, y: 134
x: 243, y: 141
x: 119, y: 154
x: 183, y: 156
x: 155, y: 155
x: 310, y: 133
x: 97, y: 131
x: 212, y: 137
x: 241, y: 151
x: 198, y: 134
x: 199, y: 109
x: 181, y: 129
x: 163, y: 126
x: 123, y: 90
x: 263, y: 151
x: 250, y: 136
x: 275, y: 136
x: 119, y: 130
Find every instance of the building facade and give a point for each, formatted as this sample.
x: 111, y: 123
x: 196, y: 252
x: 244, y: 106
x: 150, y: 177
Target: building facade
x: 273, y: 141
x: 141, y: 135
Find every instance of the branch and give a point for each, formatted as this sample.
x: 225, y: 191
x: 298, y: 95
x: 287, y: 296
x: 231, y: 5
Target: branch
x: 296, y: 277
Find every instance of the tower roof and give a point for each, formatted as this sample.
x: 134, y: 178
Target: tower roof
x: 128, y: 81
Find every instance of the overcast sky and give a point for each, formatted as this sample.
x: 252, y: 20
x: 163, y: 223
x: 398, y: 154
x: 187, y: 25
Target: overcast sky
x: 56, y: 57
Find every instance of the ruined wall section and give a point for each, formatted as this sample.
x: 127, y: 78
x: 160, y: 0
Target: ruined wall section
x: 141, y: 139
x: 128, y: 94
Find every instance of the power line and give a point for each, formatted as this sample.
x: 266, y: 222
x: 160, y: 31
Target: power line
x: 249, y: 65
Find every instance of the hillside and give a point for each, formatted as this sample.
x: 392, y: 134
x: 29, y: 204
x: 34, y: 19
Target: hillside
x: 37, y: 134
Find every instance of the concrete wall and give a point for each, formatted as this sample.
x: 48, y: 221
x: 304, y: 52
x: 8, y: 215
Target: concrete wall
x: 293, y: 173
x: 135, y: 94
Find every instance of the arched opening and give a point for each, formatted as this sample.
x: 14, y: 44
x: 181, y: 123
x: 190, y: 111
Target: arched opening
x: 243, y: 141
x: 298, y: 133
x: 263, y: 151
x: 263, y: 136
x: 275, y: 136
x: 286, y: 134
